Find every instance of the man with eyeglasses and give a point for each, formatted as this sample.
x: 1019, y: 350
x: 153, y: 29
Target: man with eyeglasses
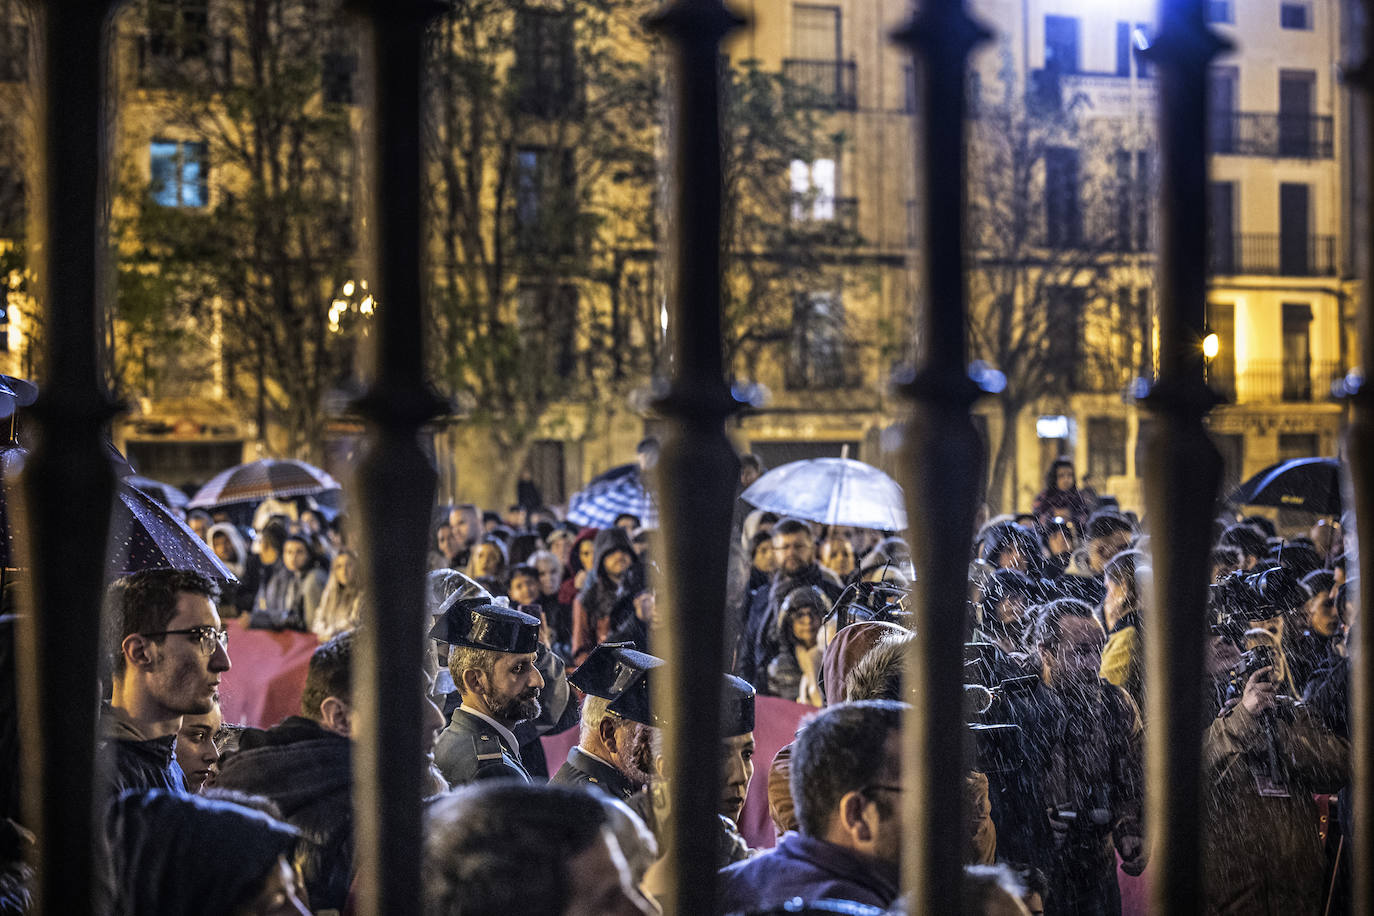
x: 169, y: 650
x: 846, y: 780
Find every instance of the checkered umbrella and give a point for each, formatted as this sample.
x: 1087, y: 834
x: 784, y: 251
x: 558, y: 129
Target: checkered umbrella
x: 618, y: 491
x: 258, y: 480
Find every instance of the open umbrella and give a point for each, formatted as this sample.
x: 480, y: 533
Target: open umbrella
x: 834, y: 491
x: 1310, y: 484
x: 165, y: 493
x: 618, y: 491
x: 145, y: 534
x: 258, y: 480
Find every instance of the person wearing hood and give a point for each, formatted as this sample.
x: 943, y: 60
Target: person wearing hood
x: 614, y: 572
x: 173, y: 855
x: 794, y: 672
x: 231, y: 549
x: 794, y: 549
x: 304, y: 765
x: 169, y: 653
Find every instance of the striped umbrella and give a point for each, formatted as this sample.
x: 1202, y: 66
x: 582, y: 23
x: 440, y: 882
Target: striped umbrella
x: 164, y: 493
x: 618, y: 491
x: 258, y: 480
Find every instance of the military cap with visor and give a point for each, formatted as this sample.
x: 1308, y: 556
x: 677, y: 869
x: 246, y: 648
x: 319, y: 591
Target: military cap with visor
x: 486, y: 626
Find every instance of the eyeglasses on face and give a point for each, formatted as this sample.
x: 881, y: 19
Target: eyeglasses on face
x: 209, y: 637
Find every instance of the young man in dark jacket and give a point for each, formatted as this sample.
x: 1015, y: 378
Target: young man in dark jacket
x: 169, y: 653
x: 846, y: 780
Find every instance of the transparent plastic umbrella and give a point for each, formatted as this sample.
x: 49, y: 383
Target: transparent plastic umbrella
x: 833, y: 491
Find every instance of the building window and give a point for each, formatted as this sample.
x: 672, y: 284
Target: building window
x: 1129, y: 40
x: 816, y: 32
x: 817, y: 349
x: 1298, y: 445
x: 14, y: 45
x: 336, y: 77
x: 178, y: 29
x: 1297, y: 352
x: 547, y: 317
x: 1061, y: 44
x: 544, y: 213
x: 1220, y: 11
x: 813, y: 189
x: 1221, y: 369
x: 545, y: 63
x: 1106, y: 447
x: 179, y: 173
x: 1295, y: 16
x: 13, y: 205
x: 1064, y: 308
x: 1063, y: 215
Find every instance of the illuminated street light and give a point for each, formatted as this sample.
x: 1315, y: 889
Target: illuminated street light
x: 1211, y: 345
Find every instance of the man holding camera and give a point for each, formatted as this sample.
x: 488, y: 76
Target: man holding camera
x: 1263, y: 758
x: 1077, y: 801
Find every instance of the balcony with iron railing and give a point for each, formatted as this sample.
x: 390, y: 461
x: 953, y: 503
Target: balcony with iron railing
x: 1275, y: 381
x: 810, y: 211
x: 1274, y: 255
x: 825, y: 83
x: 1248, y: 133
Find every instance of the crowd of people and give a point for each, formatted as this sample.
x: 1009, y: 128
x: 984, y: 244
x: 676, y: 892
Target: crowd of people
x: 540, y: 627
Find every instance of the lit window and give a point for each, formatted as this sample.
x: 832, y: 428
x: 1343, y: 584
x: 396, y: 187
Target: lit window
x: 178, y: 170
x: 813, y: 189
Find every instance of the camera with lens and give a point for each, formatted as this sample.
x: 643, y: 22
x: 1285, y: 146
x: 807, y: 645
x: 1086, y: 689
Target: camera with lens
x: 881, y: 601
x: 988, y: 697
x: 1241, y: 599
x: 1250, y: 662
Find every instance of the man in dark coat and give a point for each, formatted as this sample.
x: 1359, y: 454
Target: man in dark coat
x: 611, y: 753
x: 1075, y: 803
x: 305, y: 766
x: 846, y: 779
x: 794, y: 547
x: 492, y: 660
x: 169, y: 653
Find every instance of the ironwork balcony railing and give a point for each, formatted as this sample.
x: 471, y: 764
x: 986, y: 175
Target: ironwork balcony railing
x: 1275, y: 381
x: 1248, y: 133
x: 1275, y: 255
x: 839, y: 212
x: 828, y: 83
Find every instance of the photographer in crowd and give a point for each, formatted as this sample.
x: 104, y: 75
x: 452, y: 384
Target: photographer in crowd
x: 1263, y: 758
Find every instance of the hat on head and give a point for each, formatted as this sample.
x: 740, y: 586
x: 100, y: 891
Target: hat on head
x: 619, y: 673
x: 486, y: 626
x: 737, y: 707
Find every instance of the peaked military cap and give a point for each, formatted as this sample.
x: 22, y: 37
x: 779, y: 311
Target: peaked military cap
x: 486, y: 626
x: 737, y: 707
x: 619, y: 673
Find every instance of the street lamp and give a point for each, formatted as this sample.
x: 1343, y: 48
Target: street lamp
x: 1211, y: 346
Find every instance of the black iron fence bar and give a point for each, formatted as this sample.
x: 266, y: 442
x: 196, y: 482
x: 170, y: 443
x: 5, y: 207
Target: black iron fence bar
x: 697, y: 468
x: 68, y: 468
x: 1252, y: 133
x: 832, y: 81
x: 1183, y: 468
x: 1274, y: 255
x: 941, y: 462
x: 1360, y: 460
x: 396, y: 479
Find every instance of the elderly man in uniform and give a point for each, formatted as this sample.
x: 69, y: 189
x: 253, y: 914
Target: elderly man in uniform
x: 613, y: 751
x: 492, y: 660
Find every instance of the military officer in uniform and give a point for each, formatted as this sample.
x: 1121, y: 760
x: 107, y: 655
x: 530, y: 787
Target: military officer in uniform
x: 491, y: 657
x: 614, y: 749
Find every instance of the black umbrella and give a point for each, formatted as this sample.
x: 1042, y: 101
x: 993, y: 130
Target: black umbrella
x: 1309, y: 484
x: 144, y: 534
